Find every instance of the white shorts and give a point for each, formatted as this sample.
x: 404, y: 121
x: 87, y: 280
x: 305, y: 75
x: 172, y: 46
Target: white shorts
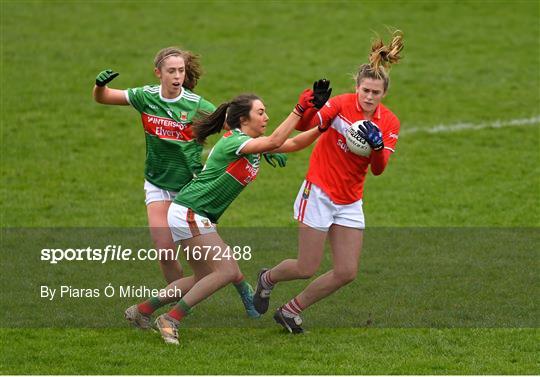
x: 315, y: 209
x: 155, y: 194
x: 185, y: 223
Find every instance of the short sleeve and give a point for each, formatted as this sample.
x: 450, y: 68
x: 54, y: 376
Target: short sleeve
x: 234, y: 143
x: 329, y: 111
x: 391, y: 134
x: 206, y: 107
x: 135, y: 98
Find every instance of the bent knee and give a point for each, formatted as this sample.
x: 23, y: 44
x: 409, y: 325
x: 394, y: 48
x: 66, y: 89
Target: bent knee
x: 231, y: 274
x: 164, y: 245
x: 305, y: 272
x: 169, y: 262
x: 345, y: 276
x: 167, y: 256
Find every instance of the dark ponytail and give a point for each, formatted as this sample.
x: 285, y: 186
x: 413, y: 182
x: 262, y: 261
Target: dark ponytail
x: 210, y: 124
x: 230, y: 113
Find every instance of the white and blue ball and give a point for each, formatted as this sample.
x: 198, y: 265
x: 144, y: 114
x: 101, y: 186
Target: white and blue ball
x: 356, y: 143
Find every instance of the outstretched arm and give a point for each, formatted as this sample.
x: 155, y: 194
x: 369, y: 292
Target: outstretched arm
x: 299, y: 142
x: 280, y: 134
x: 278, y: 137
x: 107, y: 96
x: 309, y: 100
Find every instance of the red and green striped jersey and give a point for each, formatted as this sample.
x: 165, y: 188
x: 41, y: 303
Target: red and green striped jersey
x: 172, y: 154
x: 224, y: 176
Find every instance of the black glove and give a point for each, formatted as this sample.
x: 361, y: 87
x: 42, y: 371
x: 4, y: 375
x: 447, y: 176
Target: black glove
x: 105, y: 77
x: 371, y: 133
x: 281, y: 159
x: 321, y: 92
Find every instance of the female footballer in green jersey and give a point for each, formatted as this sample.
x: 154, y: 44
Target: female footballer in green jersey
x: 173, y: 157
x: 232, y: 164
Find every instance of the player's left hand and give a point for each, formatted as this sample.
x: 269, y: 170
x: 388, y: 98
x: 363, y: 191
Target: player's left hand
x: 305, y: 101
x: 273, y: 158
x: 369, y: 131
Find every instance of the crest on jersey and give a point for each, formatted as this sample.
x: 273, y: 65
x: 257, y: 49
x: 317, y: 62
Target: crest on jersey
x: 306, y: 192
x: 183, y: 116
x: 206, y: 223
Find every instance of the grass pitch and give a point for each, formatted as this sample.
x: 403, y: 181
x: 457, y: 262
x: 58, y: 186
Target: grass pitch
x: 69, y: 162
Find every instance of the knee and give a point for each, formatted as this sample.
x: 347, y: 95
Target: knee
x: 164, y: 245
x: 170, y: 262
x: 231, y: 274
x: 345, y: 276
x: 305, y: 272
x: 167, y: 257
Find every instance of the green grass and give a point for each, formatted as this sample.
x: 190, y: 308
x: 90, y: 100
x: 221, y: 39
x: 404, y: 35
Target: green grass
x: 69, y: 162
x: 325, y: 351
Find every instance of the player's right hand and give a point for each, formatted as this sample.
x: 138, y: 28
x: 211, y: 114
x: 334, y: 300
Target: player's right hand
x: 305, y: 101
x: 105, y: 77
x: 321, y: 92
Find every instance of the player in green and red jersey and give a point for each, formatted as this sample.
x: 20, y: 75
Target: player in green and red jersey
x: 232, y: 164
x: 173, y: 157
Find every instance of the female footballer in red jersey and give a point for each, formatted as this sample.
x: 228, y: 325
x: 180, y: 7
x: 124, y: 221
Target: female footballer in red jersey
x: 173, y: 156
x: 232, y: 164
x: 329, y: 203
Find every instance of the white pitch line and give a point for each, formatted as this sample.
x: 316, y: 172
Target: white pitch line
x: 532, y: 121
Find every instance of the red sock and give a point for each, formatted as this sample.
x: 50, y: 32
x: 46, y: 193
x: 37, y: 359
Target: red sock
x: 149, y: 306
x: 180, y: 310
x: 267, y: 281
x: 292, y: 308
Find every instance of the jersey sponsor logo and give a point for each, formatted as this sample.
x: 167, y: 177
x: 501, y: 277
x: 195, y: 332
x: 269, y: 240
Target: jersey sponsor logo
x: 166, y: 128
x: 342, y: 144
x: 393, y: 136
x: 243, y: 171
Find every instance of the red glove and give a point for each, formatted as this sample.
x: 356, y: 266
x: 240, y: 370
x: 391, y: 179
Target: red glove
x: 304, y: 102
x: 308, y: 120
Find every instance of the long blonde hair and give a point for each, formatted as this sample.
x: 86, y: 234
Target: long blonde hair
x: 381, y: 59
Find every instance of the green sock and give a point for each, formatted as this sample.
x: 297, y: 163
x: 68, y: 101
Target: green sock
x: 180, y: 310
x: 242, y: 286
x: 150, y: 306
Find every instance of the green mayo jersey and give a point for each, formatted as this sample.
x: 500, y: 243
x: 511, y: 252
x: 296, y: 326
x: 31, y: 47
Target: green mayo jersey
x: 173, y: 156
x: 224, y: 176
